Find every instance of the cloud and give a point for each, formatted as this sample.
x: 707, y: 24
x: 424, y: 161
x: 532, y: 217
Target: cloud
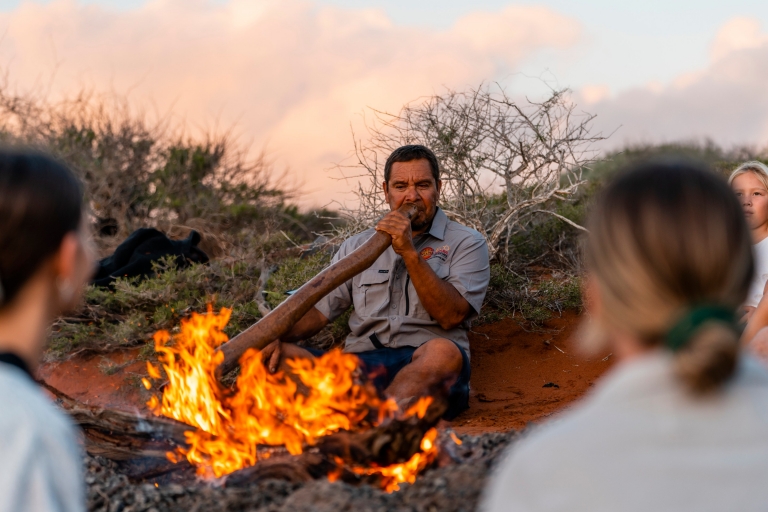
x: 725, y: 102
x: 739, y: 33
x: 293, y: 74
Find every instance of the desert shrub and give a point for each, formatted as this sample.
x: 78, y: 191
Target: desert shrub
x: 292, y: 273
x: 133, y: 311
x: 547, y: 241
x: 531, y: 301
x: 502, y: 161
x: 140, y: 172
x: 130, y: 314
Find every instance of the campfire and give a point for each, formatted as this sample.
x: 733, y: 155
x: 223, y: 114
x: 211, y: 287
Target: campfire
x: 235, y: 427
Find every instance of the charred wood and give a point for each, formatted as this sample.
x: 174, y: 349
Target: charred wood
x: 139, y: 445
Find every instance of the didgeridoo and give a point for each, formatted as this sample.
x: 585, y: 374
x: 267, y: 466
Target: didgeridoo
x: 280, y: 320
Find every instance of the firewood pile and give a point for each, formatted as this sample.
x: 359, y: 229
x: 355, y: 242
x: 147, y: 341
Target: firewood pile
x: 455, y: 484
x: 127, y: 468
x: 140, y: 446
x: 319, y: 438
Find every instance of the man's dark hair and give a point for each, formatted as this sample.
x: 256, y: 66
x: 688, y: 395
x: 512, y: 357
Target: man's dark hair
x: 408, y: 154
x: 40, y: 202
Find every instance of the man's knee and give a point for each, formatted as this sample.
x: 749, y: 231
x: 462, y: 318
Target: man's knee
x: 440, y: 354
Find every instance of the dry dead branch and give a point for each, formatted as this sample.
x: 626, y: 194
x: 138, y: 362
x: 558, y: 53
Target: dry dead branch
x: 502, y: 160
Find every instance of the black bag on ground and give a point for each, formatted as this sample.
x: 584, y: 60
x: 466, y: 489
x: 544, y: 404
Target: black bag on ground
x: 134, y: 257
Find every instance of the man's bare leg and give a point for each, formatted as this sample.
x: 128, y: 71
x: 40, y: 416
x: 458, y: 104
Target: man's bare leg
x: 436, y: 363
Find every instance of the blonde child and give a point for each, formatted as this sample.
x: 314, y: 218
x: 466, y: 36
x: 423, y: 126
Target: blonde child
x: 750, y: 184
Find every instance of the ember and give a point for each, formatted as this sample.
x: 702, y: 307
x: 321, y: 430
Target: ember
x: 265, y: 408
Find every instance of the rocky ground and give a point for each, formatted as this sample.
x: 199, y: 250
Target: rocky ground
x: 453, y: 487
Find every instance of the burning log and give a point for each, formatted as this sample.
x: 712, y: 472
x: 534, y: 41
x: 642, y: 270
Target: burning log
x: 139, y: 443
x: 119, y: 435
x: 285, y: 316
x: 141, y: 446
x: 341, y: 455
x: 392, y: 442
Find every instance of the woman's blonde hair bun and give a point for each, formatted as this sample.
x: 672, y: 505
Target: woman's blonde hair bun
x: 665, y: 236
x: 709, y: 357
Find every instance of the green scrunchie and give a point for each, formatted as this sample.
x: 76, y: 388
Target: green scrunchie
x: 686, y: 327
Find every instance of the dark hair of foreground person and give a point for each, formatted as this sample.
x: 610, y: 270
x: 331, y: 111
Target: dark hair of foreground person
x: 45, y: 264
x: 40, y: 202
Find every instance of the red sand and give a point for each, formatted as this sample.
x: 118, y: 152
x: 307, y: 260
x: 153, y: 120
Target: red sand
x: 510, y: 366
x: 82, y: 379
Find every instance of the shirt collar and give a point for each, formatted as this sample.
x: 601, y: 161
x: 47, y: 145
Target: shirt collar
x: 439, y: 222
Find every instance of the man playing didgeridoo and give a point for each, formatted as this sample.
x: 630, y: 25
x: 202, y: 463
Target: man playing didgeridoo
x: 412, y: 307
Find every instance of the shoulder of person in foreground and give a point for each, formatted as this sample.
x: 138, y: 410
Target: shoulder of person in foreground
x: 41, y: 467
x: 523, y: 476
x: 570, y: 460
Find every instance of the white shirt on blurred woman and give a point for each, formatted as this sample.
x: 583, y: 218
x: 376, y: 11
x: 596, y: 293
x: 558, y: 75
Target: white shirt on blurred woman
x: 641, y: 443
x: 40, y: 464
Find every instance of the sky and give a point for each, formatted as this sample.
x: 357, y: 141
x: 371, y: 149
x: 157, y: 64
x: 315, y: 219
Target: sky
x: 295, y: 76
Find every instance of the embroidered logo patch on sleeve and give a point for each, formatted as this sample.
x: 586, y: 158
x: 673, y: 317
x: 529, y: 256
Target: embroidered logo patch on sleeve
x: 427, y: 252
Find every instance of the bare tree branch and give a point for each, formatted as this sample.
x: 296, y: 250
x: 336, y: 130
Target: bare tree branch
x: 564, y: 219
x: 501, y: 160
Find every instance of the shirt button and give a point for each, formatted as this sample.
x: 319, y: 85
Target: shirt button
x: 394, y: 306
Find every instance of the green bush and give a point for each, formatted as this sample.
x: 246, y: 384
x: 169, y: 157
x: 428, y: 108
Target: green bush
x: 532, y: 301
x: 130, y: 314
x: 292, y: 273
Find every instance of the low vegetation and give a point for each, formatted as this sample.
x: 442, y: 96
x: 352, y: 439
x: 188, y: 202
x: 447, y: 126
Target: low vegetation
x: 139, y: 173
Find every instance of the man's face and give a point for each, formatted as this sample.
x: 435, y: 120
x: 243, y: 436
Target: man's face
x: 412, y: 182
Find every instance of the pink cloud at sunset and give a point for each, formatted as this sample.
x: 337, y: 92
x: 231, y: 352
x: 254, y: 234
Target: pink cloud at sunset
x: 726, y: 101
x: 292, y: 75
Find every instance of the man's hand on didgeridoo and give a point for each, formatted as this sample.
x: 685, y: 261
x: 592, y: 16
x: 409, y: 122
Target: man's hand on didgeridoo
x: 271, y: 356
x: 398, y: 226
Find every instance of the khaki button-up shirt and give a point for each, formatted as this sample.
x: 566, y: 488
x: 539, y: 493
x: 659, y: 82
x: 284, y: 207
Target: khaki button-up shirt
x: 387, y: 311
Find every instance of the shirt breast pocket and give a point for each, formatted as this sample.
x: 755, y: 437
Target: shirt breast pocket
x: 372, y: 291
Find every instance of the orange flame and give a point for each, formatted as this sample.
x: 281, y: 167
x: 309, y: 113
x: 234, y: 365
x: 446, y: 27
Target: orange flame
x: 392, y: 476
x: 265, y: 408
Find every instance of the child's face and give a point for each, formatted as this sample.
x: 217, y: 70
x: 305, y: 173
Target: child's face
x: 753, y: 197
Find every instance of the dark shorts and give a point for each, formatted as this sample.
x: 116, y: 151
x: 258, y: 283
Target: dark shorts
x: 383, y: 364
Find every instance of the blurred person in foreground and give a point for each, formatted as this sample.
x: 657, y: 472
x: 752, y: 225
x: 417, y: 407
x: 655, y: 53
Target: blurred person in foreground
x: 413, y: 306
x: 681, y: 422
x: 750, y: 184
x: 45, y: 263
